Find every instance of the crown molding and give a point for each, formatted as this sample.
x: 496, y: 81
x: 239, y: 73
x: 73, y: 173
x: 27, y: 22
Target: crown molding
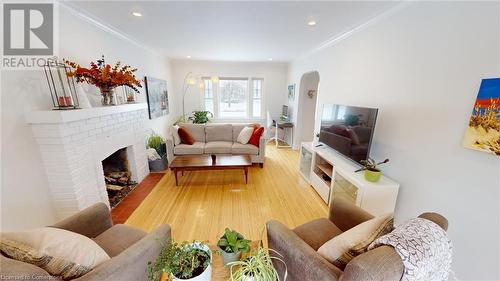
x: 80, y: 13
x: 372, y: 21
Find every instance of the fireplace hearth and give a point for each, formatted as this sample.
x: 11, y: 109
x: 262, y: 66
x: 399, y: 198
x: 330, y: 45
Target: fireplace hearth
x: 117, y: 176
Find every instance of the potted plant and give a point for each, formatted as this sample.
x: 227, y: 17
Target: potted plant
x: 231, y: 245
x: 257, y: 267
x: 372, y: 172
x: 201, y: 117
x: 185, y: 261
x: 157, y: 143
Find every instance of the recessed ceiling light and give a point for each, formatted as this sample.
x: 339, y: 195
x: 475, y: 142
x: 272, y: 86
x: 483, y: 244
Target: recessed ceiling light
x: 311, y: 23
x: 136, y: 14
x: 270, y: 59
x: 188, y: 57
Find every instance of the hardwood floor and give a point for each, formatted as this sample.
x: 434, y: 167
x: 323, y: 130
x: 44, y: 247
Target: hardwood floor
x: 205, y: 202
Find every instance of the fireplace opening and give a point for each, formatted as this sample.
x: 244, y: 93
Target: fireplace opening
x: 117, y: 176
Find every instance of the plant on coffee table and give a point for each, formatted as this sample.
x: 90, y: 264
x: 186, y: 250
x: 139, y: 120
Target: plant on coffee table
x: 257, y: 267
x: 187, y: 260
x: 231, y: 245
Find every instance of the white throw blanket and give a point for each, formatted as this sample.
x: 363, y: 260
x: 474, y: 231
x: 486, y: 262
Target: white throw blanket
x: 424, y: 248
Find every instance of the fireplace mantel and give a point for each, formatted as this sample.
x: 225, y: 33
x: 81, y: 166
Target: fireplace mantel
x: 65, y: 116
x: 73, y: 144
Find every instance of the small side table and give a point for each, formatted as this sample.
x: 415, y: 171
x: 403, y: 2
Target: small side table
x: 284, y: 125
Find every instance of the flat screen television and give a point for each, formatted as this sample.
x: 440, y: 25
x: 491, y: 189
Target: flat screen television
x: 348, y: 129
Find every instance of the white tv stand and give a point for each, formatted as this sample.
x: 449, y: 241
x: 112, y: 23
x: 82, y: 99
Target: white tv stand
x: 331, y: 175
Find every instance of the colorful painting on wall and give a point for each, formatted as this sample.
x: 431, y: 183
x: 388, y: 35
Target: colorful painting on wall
x: 483, y: 132
x: 157, y: 94
x: 291, y: 92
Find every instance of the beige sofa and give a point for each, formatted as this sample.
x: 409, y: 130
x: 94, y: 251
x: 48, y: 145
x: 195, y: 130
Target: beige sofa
x: 216, y: 138
x: 130, y: 248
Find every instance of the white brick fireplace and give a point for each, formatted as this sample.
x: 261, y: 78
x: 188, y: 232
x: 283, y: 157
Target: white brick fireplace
x: 74, y: 142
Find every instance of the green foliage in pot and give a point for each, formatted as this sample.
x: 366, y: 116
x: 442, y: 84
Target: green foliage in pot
x: 183, y: 261
x: 351, y: 120
x: 157, y: 142
x: 233, y: 242
x: 180, y: 119
x: 258, y: 266
x: 371, y: 165
x: 201, y: 117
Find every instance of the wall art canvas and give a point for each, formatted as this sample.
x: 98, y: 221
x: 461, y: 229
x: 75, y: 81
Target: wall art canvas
x: 157, y: 95
x: 291, y: 92
x: 483, y: 132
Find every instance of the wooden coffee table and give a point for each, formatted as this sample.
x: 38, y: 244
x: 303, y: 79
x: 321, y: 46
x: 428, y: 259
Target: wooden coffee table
x: 205, y: 162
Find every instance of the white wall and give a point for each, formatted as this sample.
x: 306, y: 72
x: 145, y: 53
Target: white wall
x: 24, y: 189
x: 307, y: 107
x: 422, y: 66
x: 274, y: 75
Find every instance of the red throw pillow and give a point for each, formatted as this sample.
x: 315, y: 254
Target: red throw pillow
x: 185, y: 136
x: 343, y: 132
x: 255, y: 138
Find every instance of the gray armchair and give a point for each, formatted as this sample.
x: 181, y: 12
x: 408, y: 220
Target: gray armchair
x: 299, y: 246
x: 130, y: 249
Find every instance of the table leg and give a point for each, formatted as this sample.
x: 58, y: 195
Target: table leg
x: 176, y: 181
x: 246, y: 175
x: 276, y: 135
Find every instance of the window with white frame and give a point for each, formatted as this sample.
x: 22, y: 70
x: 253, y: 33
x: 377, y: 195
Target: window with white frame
x: 257, y: 97
x: 208, y: 96
x: 234, y: 98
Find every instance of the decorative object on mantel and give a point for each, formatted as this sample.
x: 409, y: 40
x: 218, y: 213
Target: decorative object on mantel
x: 311, y: 93
x: 483, y: 133
x: 61, y: 85
x: 128, y: 94
x: 372, y: 172
x: 291, y: 92
x: 106, y: 78
x: 157, y: 95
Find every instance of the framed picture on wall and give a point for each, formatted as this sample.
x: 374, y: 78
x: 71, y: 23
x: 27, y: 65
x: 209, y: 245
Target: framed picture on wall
x: 291, y: 92
x: 483, y: 132
x: 157, y: 95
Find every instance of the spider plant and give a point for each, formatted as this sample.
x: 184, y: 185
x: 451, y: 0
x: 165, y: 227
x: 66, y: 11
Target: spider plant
x: 257, y: 267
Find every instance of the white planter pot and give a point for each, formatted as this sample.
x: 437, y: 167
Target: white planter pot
x: 207, y: 274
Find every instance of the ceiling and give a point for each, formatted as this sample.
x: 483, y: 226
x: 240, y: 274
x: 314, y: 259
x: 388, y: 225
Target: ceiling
x: 236, y: 31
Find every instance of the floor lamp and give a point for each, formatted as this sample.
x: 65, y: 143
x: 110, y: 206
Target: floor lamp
x: 190, y: 80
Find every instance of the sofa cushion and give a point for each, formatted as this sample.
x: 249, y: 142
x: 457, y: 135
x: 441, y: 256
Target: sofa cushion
x: 57, y: 251
x: 196, y: 130
x: 118, y: 238
x: 11, y: 267
x: 245, y: 135
x: 185, y: 136
x: 218, y: 147
x: 317, y: 232
x: 237, y: 129
x: 219, y: 132
x: 255, y: 138
x: 186, y: 149
x: 249, y: 149
x: 341, y: 249
x: 175, y: 135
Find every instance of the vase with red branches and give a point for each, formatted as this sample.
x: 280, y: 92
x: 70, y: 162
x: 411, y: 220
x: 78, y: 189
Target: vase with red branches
x: 105, y: 77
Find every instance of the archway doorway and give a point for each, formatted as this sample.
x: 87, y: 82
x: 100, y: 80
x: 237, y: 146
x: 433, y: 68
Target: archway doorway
x: 306, y: 107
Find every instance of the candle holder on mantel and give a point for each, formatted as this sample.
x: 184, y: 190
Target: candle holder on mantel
x: 62, y: 87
